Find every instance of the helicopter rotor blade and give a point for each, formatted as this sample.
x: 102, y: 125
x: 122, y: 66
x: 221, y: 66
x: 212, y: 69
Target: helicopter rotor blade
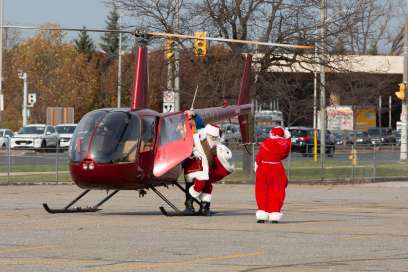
x: 182, y: 36
x: 69, y: 29
x: 166, y: 35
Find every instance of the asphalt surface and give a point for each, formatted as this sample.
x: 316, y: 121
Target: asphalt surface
x: 325, y: 228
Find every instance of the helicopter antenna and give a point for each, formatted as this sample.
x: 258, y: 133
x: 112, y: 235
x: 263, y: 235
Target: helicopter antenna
x: 195, y: 94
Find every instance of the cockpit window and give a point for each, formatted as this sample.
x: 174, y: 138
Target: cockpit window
x: 110, y: 137
x: 172, y: 128
x: 82, y: 135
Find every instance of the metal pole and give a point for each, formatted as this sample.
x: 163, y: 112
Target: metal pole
x: 389, y: 112
x: 9, y: 159
x: 403, y: 152
x: 323, y: 15
x: 57, y: 162
x: 119, y: 66
x: 177, y: 63
x: 24, y: 111
x: 315, y: 108
x: 1, y: 58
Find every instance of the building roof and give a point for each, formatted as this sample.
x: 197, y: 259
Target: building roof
x: 346, y: 63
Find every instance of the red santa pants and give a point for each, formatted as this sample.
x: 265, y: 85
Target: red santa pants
x: 270, y: 187
x: 203, y: 186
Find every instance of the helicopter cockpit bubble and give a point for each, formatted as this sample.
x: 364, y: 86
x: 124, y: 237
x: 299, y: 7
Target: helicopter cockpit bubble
x: 107, y: 137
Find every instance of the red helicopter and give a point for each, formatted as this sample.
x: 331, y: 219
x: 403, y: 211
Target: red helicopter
x: 137, y: 148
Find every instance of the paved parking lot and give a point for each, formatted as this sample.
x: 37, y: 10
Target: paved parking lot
x: 326, y: 228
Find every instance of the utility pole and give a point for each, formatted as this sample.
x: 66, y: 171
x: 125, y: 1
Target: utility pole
x: 177, y: 62
x: 403, y: 152
x: 1, y: 60
x: 323, y: 15
x: 119, y: 95
x: 389, y: 112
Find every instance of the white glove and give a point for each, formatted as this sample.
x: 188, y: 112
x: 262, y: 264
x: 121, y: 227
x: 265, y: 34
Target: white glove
x: 197, y: 154
x: 255, y: 166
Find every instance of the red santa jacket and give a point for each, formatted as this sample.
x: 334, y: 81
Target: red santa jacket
x: 273, y: 150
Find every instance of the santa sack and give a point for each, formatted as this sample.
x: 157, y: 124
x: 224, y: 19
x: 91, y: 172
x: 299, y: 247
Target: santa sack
x: 222, y: 166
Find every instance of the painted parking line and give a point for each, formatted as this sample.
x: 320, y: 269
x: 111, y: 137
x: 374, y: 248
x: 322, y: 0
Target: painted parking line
x: 137, y: 266
x: 23, y: 248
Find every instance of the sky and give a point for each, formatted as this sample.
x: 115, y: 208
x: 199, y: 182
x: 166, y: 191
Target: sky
x: 67, y: 13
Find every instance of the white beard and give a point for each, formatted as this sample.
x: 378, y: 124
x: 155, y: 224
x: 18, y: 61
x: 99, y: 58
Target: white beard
x: 212, y: 142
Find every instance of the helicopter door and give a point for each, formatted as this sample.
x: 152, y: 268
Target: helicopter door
x: 175, y: 143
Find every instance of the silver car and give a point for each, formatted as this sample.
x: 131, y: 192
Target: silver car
x: 5, y: 135
x: 35, y: 136
x: 65, y: 132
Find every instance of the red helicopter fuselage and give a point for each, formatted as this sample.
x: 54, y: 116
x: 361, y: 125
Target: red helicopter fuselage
x: 119, y: 149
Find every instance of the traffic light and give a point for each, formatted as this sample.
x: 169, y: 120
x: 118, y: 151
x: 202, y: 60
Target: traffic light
x: 200, y: 48
x: 168, y: 49
x: 401, y: 93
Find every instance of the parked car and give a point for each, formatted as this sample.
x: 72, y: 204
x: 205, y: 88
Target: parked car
x: 35, y: 136
x: 5, y: 135
x: 262, y: 133
x: 302, y: 141
x: 65, y: 132
x: 381, y: 136
x: 362, y: 137
x: 230, y: 134
x: 397, y: 135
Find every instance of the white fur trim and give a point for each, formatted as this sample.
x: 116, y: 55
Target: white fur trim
x: 205, y: 197
x: 255, y: 166
x: 198, y: 152
x: 194, y: 193
x: 201, y: 175
x: 224, y: 154
x: 261, y: 215
x: 212, y: 130
x: 275, y: 216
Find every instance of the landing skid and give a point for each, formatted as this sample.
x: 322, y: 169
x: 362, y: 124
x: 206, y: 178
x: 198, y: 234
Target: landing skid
x: 182, y: 213
x: 176, y: 211
x: 68, y: 209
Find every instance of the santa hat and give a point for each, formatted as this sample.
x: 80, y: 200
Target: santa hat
x: 212, y: 130
x: 277, y: 132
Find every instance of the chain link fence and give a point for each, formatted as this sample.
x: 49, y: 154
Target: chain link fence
x: 348, y: 163
x: 360, y: 163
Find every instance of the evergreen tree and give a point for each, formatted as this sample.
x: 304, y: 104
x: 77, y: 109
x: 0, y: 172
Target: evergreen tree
x: 84, y: 43
x: 110, y: 40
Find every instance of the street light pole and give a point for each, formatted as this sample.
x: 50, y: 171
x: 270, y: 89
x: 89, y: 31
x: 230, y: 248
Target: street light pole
x: 119, y: 96
x: 323, y: 15
x: 177, y: 63
x: 1, y: 60
x: 24, y: 112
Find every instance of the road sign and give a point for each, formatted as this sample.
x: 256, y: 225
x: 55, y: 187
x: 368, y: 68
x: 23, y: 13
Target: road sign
x: 168, y: 97
x: 168, y: 107
x: 32, y: 98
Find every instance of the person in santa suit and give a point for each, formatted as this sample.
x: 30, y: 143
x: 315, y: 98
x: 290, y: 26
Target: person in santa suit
x: 209, y: 163
x: 196, y: 123
x: 271, y: 179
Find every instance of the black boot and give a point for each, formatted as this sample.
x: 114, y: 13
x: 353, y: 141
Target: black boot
x: 189, y: 200
x: 205, y: 208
